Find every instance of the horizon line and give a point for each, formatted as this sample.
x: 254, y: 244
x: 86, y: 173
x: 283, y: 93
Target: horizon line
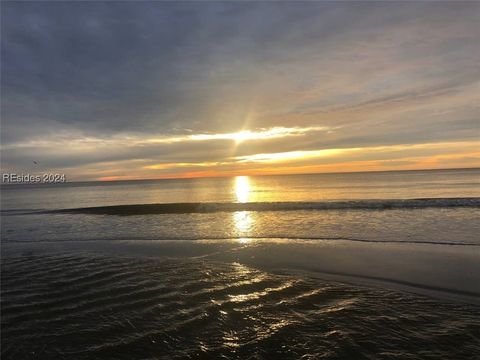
x: 232, y: 176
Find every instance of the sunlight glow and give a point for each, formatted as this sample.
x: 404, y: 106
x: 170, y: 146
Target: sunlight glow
x: 284, y: 156
x: 180, y: 164
x: 274, y: 132
x: 87, y: 143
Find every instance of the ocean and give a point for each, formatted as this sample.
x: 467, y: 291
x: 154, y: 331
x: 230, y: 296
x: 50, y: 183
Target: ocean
x: 379, y: 265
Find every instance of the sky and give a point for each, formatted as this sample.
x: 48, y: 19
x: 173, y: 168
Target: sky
x: 124, y: 90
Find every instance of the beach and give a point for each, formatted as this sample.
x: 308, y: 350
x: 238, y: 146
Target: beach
x: 240, y: 180
x: 92, y: 303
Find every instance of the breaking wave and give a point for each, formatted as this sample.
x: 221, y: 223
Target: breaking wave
x: 207, y: 207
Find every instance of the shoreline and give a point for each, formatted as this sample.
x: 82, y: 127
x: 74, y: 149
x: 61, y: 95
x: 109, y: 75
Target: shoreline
x: 440, y: 271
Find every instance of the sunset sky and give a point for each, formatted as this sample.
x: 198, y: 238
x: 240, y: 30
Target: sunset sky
x: 123, y: 90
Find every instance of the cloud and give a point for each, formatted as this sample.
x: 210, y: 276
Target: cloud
x: 129, y: 84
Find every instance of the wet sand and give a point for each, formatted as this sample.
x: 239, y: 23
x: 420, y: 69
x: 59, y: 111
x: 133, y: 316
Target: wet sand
x: 444, y: 270
x: 169, y: 300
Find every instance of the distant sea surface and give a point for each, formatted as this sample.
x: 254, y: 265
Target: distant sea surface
x: 451, y: 199
x: 333, y: 266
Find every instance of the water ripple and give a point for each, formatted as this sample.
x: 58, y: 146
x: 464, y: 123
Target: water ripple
x: 86, y: 306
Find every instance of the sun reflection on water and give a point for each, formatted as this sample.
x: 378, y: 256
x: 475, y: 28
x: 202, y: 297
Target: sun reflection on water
x: 242, y: 220
x: 242, y: 188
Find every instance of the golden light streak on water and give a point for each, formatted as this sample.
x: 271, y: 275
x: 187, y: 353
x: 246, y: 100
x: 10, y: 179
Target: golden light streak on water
x: 242, y: 188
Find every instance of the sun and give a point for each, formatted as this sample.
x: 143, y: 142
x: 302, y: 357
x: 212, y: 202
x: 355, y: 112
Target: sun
x: 240, y: 136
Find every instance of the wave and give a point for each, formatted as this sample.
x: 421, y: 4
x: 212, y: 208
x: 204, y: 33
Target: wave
x: 263, y: 238
x: 183, y: 208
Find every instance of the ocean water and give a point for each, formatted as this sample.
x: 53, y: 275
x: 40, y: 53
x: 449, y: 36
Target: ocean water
x: 326, y: 206
x: 331, y: 266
